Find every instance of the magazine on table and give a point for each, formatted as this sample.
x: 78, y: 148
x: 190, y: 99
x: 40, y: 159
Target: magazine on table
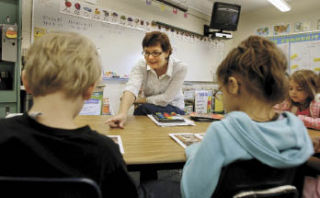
x: 206, y: 117
x: 118, y: 141
x: 176, y: 120
x: 199, y: 135
x: 186, y: 139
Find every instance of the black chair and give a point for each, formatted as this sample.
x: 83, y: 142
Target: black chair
x: 48, y: 187
x: 253, y: 176
x: 286, y: 191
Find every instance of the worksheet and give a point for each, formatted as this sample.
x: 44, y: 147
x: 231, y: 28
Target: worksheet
x: 185, y: 139
x: 199, y: 135
x: 168, y: 124
x: 117, y: 140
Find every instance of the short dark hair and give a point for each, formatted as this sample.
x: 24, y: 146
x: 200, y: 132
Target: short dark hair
x: 155, y: 38
x: 260, y: 65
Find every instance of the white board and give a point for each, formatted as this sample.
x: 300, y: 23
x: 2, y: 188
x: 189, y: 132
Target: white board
x: 120, y: 46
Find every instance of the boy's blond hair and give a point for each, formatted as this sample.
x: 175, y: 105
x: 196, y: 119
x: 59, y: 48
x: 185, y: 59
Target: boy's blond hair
x: 63, y: 61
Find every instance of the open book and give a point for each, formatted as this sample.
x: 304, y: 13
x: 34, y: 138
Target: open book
x: 186, y: 139
x: 117, y: 140
x: 181, y: 121
x: 208, y: 117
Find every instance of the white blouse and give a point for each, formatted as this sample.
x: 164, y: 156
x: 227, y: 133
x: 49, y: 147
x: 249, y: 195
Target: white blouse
x: 167, y: 89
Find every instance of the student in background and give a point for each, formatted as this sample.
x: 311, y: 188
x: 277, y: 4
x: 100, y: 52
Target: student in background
x: 252, y: 79
x: 61, y: 72
x: 303, y: 88
x: 311, y: 187
x: 155, y: 83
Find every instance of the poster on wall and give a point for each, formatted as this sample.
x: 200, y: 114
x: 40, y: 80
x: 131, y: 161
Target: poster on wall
x: 302, y: 50
x: 281, y: 29
x: 298, y: 27
x: 305, y: 55
x: 263, y: 31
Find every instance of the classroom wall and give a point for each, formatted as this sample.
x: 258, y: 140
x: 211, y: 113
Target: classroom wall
x: 302, y: 11
x: 194, y: 22
x: 113, y: 89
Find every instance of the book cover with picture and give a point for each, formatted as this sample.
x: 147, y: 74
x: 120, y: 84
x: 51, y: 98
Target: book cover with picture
x: 185, y: 139
x: 117, y: 140
x: 199, y: 135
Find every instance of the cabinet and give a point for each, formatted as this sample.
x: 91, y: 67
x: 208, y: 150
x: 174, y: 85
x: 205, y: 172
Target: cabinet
x: 10, y: 53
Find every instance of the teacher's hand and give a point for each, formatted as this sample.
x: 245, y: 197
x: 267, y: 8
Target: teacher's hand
x: 117, y: 121
x: 140, y: 100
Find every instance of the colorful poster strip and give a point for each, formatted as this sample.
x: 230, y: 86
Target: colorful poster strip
x: 296, y: 38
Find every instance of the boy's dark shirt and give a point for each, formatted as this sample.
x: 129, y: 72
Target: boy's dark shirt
x: 30, y: 149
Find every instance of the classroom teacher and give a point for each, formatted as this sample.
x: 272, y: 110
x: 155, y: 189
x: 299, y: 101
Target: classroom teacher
x: 155, y: 82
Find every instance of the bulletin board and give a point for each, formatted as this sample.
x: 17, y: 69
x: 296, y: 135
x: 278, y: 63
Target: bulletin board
x: 302, y: 50
x: 120, y: 45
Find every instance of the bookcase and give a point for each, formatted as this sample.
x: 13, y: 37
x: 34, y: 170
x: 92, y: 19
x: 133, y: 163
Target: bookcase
x: 10, y: 53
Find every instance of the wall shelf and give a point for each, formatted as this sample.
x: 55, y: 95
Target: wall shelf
x: 108, y: 79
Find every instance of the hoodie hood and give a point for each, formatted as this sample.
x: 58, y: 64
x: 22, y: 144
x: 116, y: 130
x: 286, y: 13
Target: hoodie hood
x: 272, y: 143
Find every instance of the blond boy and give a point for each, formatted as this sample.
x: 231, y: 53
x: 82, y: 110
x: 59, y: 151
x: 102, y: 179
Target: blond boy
x: 61, y: 72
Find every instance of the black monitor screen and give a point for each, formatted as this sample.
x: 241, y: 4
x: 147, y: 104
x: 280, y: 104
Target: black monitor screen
x: 225, y: 16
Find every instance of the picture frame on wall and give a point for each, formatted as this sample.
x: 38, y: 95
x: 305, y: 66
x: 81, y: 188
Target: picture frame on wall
x: 263, y: 31
x: 281, y: 29
x: 298, y: 27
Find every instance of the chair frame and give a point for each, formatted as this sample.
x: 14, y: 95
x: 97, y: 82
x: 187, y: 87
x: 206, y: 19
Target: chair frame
x: 38, y: 186
x: 251, y: 175
x: 271, y: 192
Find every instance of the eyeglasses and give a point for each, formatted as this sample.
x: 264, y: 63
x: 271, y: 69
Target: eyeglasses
x: 154, y: 54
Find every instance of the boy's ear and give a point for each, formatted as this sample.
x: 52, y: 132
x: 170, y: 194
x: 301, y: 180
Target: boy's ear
x: 233, y: 86
x: 87, y: 94
x: 25, y: 82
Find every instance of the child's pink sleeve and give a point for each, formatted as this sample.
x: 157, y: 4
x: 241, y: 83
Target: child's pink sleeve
x: 313, y: 121
x: 310, y: 122
x: 311, y: 187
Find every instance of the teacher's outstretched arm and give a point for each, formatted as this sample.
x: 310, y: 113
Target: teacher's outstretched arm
x: 118, y: 120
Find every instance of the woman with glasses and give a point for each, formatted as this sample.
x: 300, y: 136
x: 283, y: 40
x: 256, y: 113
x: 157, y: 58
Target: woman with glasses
x: 155, y: 83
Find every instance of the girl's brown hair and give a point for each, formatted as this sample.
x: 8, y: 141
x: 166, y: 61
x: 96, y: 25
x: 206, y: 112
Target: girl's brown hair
x: 307, y: 80
x: 155, y: 38
x: 261, y: 67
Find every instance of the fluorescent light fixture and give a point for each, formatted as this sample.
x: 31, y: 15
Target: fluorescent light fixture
x: 281, y: 5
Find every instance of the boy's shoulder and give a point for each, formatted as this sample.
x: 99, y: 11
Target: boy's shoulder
x: 11, y: 126
x: 11, y: 119
x: 105, y: 144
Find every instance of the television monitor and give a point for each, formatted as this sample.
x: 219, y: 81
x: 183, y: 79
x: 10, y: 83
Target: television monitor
x: 225, y: 16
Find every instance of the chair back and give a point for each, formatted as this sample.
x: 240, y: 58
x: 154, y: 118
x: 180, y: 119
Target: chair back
x: 286, y: 191
x: 249, y: 175
x: 48, y: 187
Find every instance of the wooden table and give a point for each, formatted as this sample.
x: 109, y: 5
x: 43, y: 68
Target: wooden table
x: 314, y: 133
x: 147, y: 145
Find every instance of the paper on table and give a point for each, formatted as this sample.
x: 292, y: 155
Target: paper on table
x: 118, y: 141
x: 166, y: 124
x: 199, y: 135
x: 185, y: 139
